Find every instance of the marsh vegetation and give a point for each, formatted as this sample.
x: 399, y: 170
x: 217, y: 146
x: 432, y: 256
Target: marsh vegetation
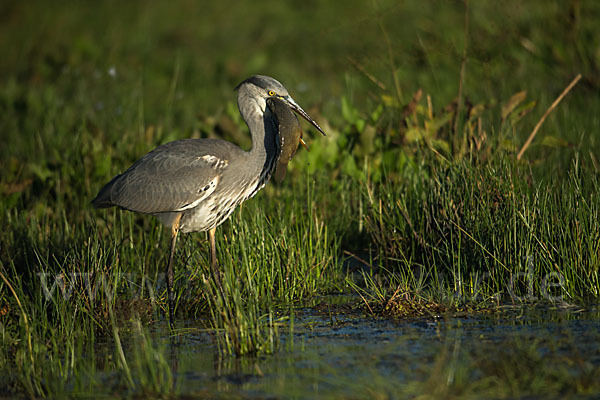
x: 425, y: 213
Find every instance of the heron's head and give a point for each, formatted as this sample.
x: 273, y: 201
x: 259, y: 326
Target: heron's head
x: 260, y: 87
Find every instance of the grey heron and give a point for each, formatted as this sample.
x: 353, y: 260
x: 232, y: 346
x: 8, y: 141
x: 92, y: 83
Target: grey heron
x: 195, y: 184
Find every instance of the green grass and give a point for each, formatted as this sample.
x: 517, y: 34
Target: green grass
x: 425, y: 188
x: 473, y: 233
x: 272, y: 256
x: 69, y: 293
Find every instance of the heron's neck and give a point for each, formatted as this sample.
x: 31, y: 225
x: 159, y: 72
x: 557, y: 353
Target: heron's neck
x: 265, y: 144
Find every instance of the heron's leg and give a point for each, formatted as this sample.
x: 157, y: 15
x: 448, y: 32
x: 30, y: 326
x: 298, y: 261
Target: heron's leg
x: 213, y: 258
x: 174, y: 232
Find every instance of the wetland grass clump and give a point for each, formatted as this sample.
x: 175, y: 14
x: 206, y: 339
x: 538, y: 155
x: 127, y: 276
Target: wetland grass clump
x: 68, y: 294
x: 490, y: 233
x: 271, y: 256
x: 240, y: 325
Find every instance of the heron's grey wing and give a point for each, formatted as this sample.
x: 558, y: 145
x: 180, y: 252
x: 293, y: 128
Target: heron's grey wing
x: 173, y: 177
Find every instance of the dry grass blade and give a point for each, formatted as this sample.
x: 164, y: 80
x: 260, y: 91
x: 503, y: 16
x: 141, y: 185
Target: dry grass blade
x: 410, y: 108
x: 514, y: 101
x: 463, y: 67
x: 548, y: 111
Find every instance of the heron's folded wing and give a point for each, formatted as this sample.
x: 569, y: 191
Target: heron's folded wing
x: 173, y: 177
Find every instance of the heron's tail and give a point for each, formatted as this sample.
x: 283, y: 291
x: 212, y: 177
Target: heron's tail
x: 103, y: 198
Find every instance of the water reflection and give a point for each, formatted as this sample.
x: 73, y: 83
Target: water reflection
x: 343, y: 353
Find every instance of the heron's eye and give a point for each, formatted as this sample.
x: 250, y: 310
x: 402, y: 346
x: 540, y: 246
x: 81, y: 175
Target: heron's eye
x: 271, y: 93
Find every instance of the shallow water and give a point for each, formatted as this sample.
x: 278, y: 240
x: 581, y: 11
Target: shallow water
x: 347, y: 354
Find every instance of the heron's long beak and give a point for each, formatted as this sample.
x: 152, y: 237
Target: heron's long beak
x: 294, y: 106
